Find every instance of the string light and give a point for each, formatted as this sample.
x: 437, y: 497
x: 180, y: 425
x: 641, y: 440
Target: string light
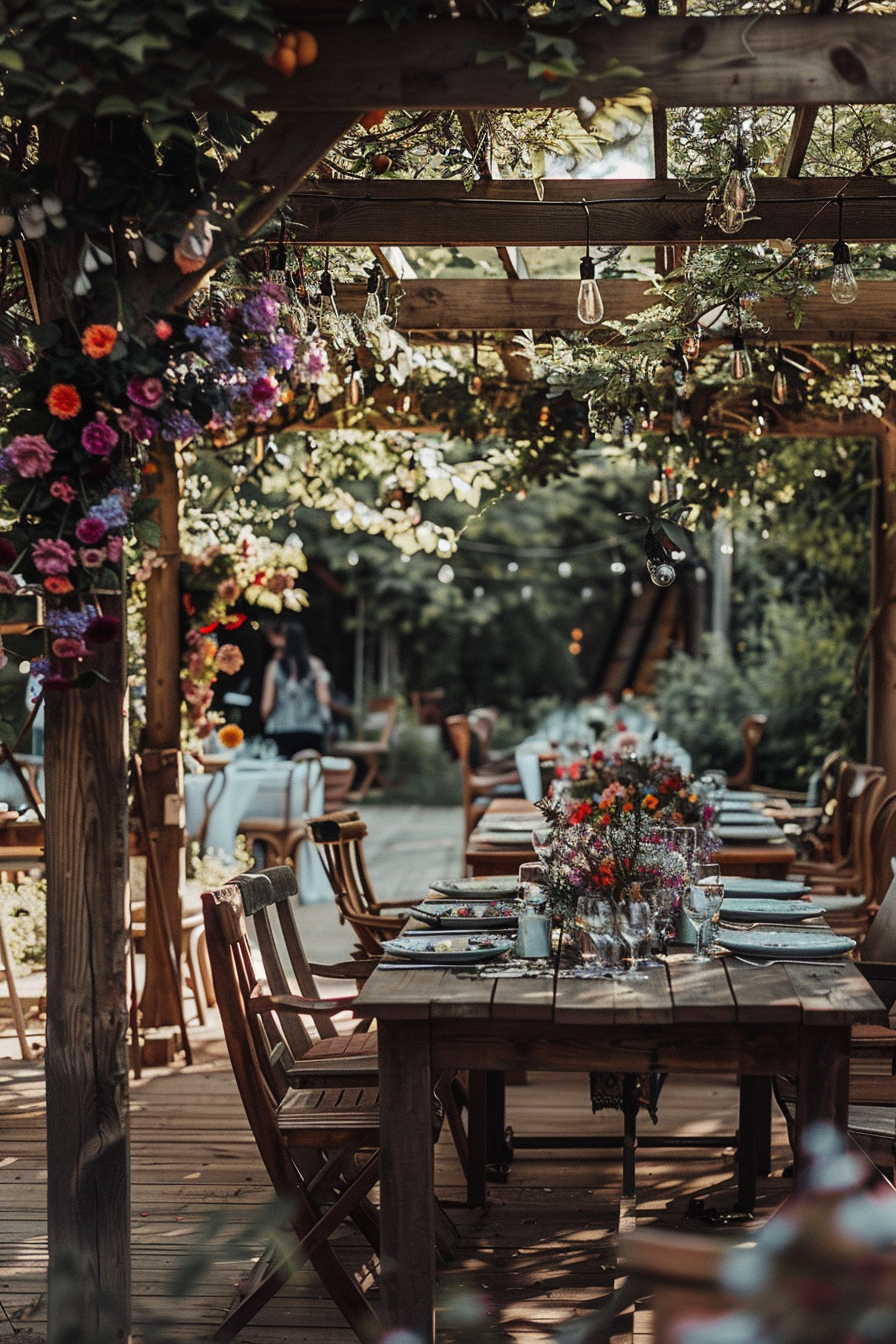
x: 590, y: 306
x: 854, y: 368
x: 738, y: 195
x: 843, y: 282
x: 372, y: 311
x: 780, y: 390
x: 739, y: 365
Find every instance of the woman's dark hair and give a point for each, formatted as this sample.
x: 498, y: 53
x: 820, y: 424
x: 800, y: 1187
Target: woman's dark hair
x: 297, y: 655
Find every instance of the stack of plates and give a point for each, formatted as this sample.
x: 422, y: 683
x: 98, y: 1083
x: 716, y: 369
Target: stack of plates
x: 753, y: 910
x: 785, y: 944
x: 483, y: 888
x: 760, y: 831
x: 763, y: 886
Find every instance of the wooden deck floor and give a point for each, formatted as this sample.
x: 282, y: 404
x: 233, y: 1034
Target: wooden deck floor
x: 542, y: 1251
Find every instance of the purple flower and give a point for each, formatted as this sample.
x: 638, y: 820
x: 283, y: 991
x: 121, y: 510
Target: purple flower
x: 134, y: 421
x: 180, y: 425
x: 272, y: 288
x: 260, y: 313
x: 281, y: 353
x: 98, y: 438
x: 70, y: 624
x: 264, y: 392
x: 90, y: 531
x: 146, y: 392
x: 111, y: 512
x: 214, y: 340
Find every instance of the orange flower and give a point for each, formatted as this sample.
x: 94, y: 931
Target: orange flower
x: 650, y: 802
x: 54, y: 583
x: 64, y: 401
x: 628, y: 807
x: 99, y: 340
x: 230, y: 736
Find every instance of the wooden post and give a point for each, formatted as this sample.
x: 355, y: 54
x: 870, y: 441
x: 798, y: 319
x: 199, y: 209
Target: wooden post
x: 882, y: 677
x: 88, y: 1214
x: 162, y: 758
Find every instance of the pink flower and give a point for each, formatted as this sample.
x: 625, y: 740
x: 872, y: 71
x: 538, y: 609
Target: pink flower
x: 90, y: 531
x: 8, y: 583
x: 64, y: 490
x: 92, y: 557
x: 146, y: 392
x: 114, y: 547
x: 98, y: 438
x: 163, y: 329
x: 264, y: 393
x: 68, y: 648
x: 52, y: 557
x: 29, y: 454
x: 133, y: 421
x: 229, y: 659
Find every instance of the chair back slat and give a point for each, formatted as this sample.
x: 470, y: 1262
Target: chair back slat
x: 300, y: 967
x: 339, y: 839
x: 883, y: 850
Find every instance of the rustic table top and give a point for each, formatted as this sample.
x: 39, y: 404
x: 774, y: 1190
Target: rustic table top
x: 721, y: 991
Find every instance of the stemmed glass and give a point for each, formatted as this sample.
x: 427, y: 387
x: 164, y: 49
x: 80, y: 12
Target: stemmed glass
x: 702, y: 903
x: 710, y: 875
x: 634, y: 922
x: 597, y: 922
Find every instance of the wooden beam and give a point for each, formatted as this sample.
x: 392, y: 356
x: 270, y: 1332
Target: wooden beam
x: 448, y: 306
x: 88, y: 1201
x: 765, y: 60
x: 634, y: 212
x: 798, y: 144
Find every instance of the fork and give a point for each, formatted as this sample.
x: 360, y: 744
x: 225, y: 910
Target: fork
x: 789, y: 961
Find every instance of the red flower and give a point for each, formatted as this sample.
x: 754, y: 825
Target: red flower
x: 64, y: 401
x: 102, y: 630
x: 235, y: 622
x: 58, y: 586
x: 98, y: 340
x: 580, y: 813
x: 207, y: 629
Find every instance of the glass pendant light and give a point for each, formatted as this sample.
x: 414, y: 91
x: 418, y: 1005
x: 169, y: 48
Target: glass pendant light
x: 740, y: 365
x: 843, y: 283
x: 590, y: 307
x: 328, y: 319
x: 738, y: 195
x: 780, y: 390
x: 854, y: 368
x: 372, y: 311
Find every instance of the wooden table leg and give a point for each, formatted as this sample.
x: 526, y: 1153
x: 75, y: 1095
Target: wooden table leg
x: 763, y: 1126
x: 407, y: 1283
x: 477, y: 1138
x: 495, y: 1107
x: 823, y: 1082
x: 748, y: 1124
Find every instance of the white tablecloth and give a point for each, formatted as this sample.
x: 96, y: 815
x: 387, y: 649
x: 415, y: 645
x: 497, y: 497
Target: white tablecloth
x: 255, y: 788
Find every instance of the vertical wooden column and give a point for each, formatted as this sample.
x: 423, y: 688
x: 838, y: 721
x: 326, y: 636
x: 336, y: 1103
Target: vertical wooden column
x: 882, y: 678
x: 88, y: 1213
x: 162, y: 758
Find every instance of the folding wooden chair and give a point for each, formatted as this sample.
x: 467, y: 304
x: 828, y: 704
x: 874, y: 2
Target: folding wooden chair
x: 311, y: 1140
x: 339, y: 838
x: 280, y: 837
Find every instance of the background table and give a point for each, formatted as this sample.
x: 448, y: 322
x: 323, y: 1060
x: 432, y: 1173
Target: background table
x: 685, y: 1017
x: 736, y: 860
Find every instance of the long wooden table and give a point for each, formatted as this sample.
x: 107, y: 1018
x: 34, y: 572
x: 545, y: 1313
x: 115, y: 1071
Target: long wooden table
x: 685, y: 1017
x: 736, y: 860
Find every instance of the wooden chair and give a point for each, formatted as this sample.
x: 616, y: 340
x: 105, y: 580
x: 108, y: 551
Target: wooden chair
x: 337, y: 782
x: 339, y: 839
x: 852, y: 893
x: 835, y: 848
x: 311, y: 1140
x: 478, y: 789
x: 483, y: 723
x: 373, y: 750
x: 752, y: 731
x: 280, y: 837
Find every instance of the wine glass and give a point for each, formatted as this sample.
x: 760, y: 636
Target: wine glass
x: 598, y: 922
x: 710, y: 875
x: 702, y: 903
x: 633, y: 917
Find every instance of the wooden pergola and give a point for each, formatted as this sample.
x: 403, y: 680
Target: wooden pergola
x: 802, y: 60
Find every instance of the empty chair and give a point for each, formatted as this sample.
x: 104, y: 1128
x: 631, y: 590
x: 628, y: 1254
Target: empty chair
x: 478, y: 788
x: 376, y: 736
x: 279, y: 837
x: 339, y: 839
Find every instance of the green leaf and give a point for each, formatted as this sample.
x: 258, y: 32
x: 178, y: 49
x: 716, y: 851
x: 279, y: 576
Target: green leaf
x: 10, y: 59
x: 116, y: 106
x: 148, y: 532
x: 136, y: 47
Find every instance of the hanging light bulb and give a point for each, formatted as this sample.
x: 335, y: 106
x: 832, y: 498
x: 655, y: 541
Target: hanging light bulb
x: 843, y: 283
x: 372, y: 311
x: 355, y: 384
x: 328, y: 318
x: 662, y: 572
x: 590, y: 307
x: 474, y: 382
x: 854, y: 368
x: 738, y: 196
x: 691, y: 345
x: 312, y: 409
x: 780, y: 390
x: 739, y: 365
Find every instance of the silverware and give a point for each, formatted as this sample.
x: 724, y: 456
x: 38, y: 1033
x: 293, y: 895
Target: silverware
x: 734, y: 925
x: 793, y: 961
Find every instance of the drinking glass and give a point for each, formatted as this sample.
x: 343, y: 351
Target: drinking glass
x: 710, y: 875
x: 702, y: 903
x: 633, y: 919
x: 598, y: 923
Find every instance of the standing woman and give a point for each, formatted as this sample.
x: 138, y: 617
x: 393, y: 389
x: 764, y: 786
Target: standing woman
x: 295, y: 698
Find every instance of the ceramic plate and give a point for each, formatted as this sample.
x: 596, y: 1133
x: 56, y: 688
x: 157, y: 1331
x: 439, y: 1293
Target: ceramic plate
x: 742, y: 818
x: 763, y: 886
x: 767, y: 831
x: 785, y: 943
x: 512, y: 821
x: 487, y: 888
x: 448, y: 949
x: 513, y: 839
x: 743, y: 796
x: 467, y: 914
x: 754, y: 911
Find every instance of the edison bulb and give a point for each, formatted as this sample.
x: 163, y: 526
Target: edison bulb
x: 779, y: 387
x: 590, y: 307
x: 843, y: 283
x: 739, y: 365
x: 371, y: 307
x: 738, y: 192
x: 661, y: 572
